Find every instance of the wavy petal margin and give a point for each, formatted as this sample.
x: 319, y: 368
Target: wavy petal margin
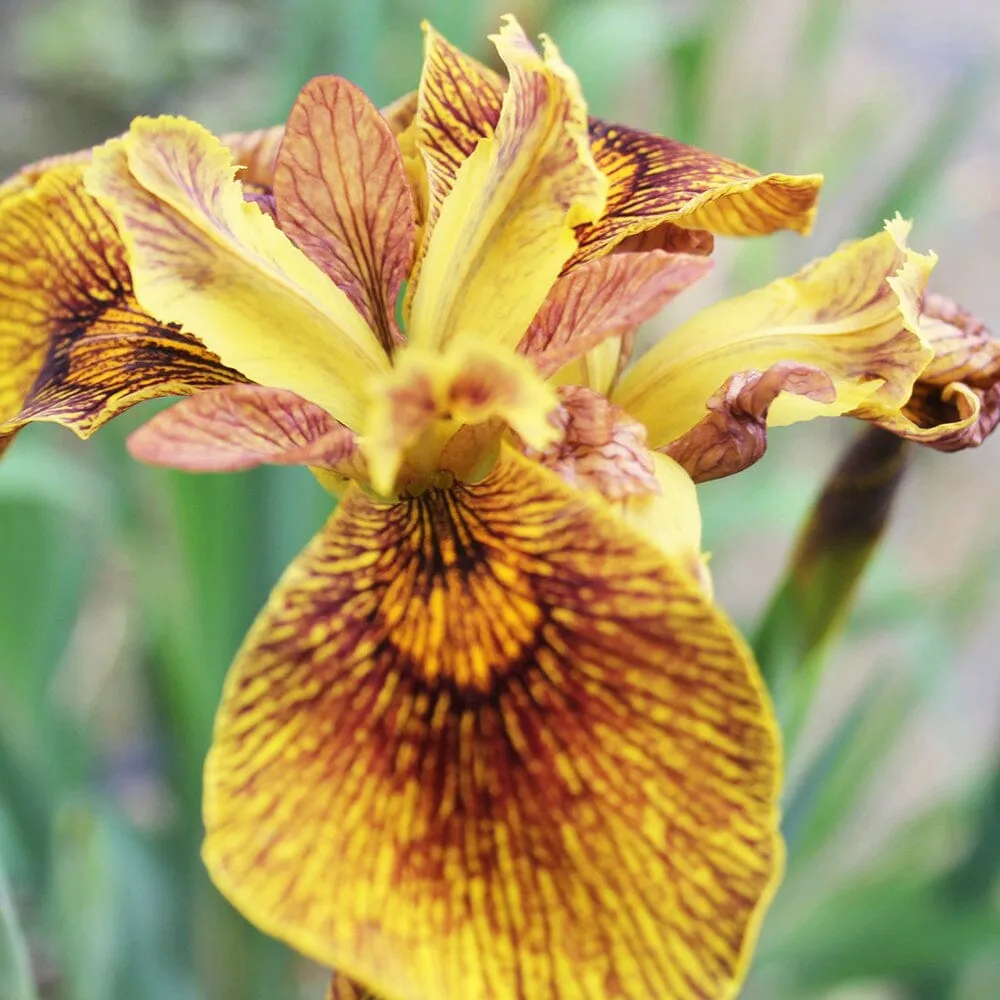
x: 733, y: 433
x: 240, y: 427
x: 75, y: 346
x: 507, y: 226
x: 853, y: 315
x: 343, y: 197
x: 489, y: 742
x: 202, y: 256
x: 956, y: 401
x: 656, y: 182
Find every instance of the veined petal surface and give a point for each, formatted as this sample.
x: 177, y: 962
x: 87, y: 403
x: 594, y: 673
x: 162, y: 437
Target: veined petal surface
x: 853, y: 315
x: 343, y: 197
x: 201, y: 255
x: 507, y: 226
x: 242, y: 426
x: 609, y: 297
x: 655, y: 181
x: 75, y: 346
x: 489, y: 743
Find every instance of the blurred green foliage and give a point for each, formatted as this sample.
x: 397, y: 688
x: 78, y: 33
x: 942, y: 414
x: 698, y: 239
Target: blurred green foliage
x: 124, y: 590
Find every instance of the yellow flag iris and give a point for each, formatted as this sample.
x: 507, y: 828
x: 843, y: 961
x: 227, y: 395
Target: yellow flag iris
x: 490, y: 737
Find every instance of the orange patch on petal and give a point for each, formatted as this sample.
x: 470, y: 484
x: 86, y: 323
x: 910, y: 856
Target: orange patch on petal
x: 343, y: 197
x: 242, y: 426
x: 489, y: 742
x: 75, y: 346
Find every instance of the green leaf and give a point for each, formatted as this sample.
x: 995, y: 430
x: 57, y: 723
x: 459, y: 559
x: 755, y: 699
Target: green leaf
x: 811, y: 605
x: 16, y: 980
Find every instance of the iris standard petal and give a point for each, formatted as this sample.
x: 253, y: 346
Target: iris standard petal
x: 242, y: 426
x: 489, y: 742
x: 609, y: 297
x: 75, y: 346
x: 507, y: 226
x: 343, y: 197
x: 201, y: 255
x: 853, y: 315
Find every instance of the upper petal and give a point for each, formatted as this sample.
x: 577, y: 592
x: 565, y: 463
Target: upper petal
x: 656, y: 181
x: 610, y: 297
x: 75, y: 346
x: 343, y: 197
x: 242, y: 426
x: 506, y: 228
x: 853, y: 315
x: 488, y: 742
x: 202, y: 256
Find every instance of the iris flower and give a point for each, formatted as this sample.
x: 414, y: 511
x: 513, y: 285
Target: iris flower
x: 491, y: 736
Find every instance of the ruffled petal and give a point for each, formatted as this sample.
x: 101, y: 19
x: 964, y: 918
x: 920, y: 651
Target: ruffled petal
x: 733, y: 433
x: 853, y: 315
x: 202, y: 256
x: 956, y: 401
x: 661, y: 182
x: 600, y: 447
x: 343, y: 197
x: 610, y: 297
x: 75, y: 346
x: 507, y: 226
x: 240, y: 427
x: 489, y: 742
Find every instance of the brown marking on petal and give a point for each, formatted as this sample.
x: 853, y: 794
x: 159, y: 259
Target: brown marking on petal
x: 671, y: 238
x: 733, y: 434
x: 75, y: 346
x: 600, y: 447
x: 242, y: 426
x: 488, y: 742
x: 458, y: 104
x: 656, y: 180
x: 342, y: 988
x: 955, y: 403
x: 604, y: 298
x: 344, y: 198
x: 255, y: 154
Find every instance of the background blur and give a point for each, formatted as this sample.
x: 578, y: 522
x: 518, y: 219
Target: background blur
x: 124, y: 590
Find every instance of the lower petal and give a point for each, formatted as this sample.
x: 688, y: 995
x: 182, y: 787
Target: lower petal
x: 75, y: 346
x: 489, y: 742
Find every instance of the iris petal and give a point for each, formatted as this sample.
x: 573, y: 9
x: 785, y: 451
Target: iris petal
x: 489, y: 742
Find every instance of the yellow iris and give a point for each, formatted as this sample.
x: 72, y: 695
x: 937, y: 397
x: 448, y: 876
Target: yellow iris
x: 490, y: 738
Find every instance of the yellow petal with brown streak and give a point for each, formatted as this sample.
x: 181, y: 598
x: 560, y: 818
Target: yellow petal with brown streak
x: 507, y: 226
x: 488, y: 742
x: 202, y: 256
x: 75, y: 346
x: 853, y: 315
